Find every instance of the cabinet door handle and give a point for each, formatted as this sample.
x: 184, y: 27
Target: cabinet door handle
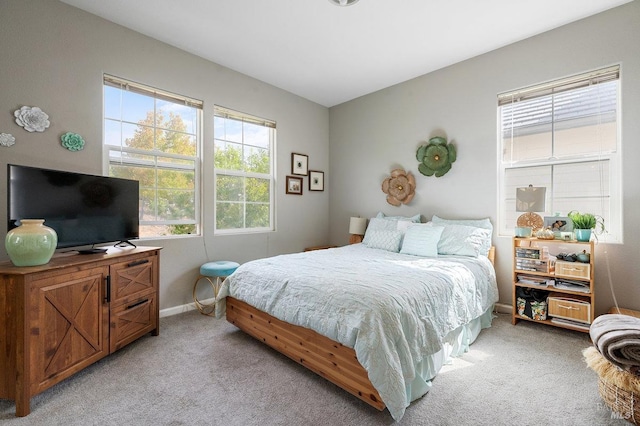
x: 571, y: 308
x: 138, y: 262
x: 137, y: 304
x: 107, y: 296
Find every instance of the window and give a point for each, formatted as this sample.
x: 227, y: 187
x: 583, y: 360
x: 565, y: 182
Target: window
x: 564, y: 135
x: 154, y: 137
x: 244, y: 149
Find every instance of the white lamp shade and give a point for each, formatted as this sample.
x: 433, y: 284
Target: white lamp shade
x: 357, y: 225
x: 530, y: 199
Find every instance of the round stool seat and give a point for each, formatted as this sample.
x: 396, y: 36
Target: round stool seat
x: 219, y: 268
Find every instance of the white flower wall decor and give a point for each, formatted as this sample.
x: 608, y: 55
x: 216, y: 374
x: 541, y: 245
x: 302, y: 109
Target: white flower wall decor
x: 7, y: 139
x: 32, y: 119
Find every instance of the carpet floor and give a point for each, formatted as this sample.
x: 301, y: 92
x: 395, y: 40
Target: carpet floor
x: 203, y: 371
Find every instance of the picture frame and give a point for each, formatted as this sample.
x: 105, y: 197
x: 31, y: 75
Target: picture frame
x: 299, y: 164
x: 561, y: 226
x: 316, y: 180
x: 294, y: 185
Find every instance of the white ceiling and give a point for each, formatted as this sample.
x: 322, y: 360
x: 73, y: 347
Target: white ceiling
x: 330, y: 54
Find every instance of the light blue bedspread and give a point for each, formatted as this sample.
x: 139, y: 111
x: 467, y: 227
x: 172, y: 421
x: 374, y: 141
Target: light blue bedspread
x: 394, y: 310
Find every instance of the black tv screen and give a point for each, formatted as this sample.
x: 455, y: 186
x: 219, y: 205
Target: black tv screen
x: 83, y: 209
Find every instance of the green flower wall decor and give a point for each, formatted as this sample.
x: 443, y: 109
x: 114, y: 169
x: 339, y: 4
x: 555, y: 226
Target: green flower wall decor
x: 72, y: 141
x: 436, y: 157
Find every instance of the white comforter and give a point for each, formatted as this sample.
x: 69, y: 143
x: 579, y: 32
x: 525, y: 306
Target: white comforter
x: 392, y: 309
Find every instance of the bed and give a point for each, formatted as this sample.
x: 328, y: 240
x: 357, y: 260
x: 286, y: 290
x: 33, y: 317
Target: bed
x: 376, y: 318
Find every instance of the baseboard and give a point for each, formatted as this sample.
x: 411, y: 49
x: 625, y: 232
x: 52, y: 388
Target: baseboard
x: 503, y: 308
x: 175, y: 310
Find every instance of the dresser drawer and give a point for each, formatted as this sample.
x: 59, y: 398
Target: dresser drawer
x: 570, y: 308
x: 132, y: 278
x: 133, y: 319
x: 573, y: 270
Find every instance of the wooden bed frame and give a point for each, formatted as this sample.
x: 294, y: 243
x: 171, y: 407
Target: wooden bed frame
x: 323, y: 356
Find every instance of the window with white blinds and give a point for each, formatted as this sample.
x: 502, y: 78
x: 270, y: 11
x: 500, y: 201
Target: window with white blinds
x: 564, y: 135
x: 154, y: 136
x: 244, y: 147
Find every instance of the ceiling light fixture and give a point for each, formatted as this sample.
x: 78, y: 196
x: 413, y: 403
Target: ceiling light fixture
x: 343, y: 2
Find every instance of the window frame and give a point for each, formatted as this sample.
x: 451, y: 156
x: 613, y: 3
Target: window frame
x: 155, y: 155
x: 613, y: 223
x: 227, y: 113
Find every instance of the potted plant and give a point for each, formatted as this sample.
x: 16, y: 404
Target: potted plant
x: 584, y: 223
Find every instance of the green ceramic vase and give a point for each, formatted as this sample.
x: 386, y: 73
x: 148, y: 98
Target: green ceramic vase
x: 31, y: 244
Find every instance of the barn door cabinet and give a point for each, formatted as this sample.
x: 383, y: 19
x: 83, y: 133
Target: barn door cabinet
x: 59, y: 318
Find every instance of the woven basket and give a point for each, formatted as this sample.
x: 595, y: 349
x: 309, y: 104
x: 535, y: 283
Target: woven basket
x: 619, y: 389
x: 624, y: 403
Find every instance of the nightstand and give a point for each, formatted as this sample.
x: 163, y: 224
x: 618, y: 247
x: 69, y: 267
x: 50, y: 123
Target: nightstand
x: 318, y: 248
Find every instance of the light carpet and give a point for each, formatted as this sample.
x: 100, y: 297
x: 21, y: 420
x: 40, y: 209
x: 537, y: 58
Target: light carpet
x: 203, y: 371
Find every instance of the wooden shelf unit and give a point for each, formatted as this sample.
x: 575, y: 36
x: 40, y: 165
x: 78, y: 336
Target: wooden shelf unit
x: 565, y: 304
x: 56, y: 319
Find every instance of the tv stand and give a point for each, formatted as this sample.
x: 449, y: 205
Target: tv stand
x: 59, y: 318
x: 124, y: 243
x: 93, y: 250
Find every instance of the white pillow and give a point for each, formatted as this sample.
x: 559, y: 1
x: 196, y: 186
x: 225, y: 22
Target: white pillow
x: 463, y: 240
x: 478, y: 223
x: 422, y: 240
x: 385, y: 240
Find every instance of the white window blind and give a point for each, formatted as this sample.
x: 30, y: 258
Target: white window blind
x: 563, y: 135
x: 153, y: 136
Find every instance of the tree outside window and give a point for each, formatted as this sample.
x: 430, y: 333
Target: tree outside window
x: 243, y: 172
x: 153, y: 137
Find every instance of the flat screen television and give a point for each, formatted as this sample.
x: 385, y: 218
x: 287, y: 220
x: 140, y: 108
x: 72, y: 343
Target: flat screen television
x: 83, y: 209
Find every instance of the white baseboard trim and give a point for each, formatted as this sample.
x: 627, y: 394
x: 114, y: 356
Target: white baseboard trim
x: 175, y: 310
x: 503, y: 308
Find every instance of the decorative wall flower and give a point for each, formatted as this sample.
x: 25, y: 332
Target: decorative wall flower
x: 7, y: 139
x: 32, y: 119
x: 72, y: 141
x: 436, y: 157
x: 400, y: 187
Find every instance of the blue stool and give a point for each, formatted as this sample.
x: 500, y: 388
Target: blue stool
x: 215, y: 273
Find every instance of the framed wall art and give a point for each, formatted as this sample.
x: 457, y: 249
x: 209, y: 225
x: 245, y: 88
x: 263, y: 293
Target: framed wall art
x: 316, y: 180
x: 294, y: 185
x: 299, y: 164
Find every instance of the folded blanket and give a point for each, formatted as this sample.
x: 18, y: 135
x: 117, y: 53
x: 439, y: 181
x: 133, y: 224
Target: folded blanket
x: 617, y: 338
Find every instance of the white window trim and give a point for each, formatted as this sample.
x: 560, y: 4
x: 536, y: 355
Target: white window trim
x: 197, y: 159
x: 614, y: 226
x: 272, y: 177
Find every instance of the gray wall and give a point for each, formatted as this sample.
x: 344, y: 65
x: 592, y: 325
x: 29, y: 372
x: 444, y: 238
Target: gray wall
x: 54, y: 56
x: 372, y: 135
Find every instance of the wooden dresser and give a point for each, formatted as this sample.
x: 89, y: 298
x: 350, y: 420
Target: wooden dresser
x: 59, y: 318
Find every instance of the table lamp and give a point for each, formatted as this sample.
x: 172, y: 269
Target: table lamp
x: 357, y: 226
x: 530, y: 200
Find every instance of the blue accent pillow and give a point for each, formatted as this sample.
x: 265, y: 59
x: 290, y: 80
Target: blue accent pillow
x: 385, y: 240
x: 422, y: 240
x: 376, y: 224
x: 414, y: 219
